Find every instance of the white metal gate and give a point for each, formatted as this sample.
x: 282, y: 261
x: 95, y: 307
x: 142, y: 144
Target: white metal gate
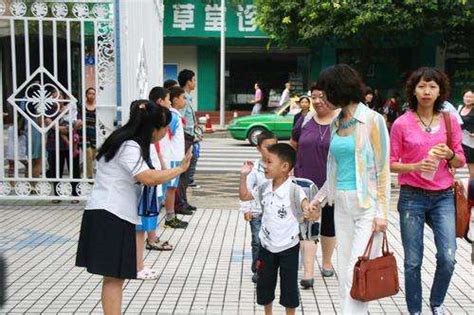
x: 51, y: 53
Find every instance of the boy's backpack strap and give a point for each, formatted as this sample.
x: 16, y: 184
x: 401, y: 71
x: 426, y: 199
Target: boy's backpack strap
x: 297, y: 211
x: 295, y: 202
x: 261, y: 189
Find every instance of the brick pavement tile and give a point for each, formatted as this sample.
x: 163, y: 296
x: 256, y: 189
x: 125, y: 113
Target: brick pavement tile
x: 204, y: 274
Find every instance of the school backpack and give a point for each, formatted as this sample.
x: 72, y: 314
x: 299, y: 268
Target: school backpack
x: 309, y: 230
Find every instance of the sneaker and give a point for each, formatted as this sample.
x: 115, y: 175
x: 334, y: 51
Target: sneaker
x: 192, y: 208
x: 186, y: 211
x: 176, y: 223
x: 437, y: 310
x: 194, y: 185
x: 255, y: 277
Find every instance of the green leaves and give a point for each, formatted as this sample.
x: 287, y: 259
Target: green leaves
x: 307, y: 21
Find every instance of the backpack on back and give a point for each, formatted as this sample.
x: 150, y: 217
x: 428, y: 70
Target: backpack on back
x: 309, y: 230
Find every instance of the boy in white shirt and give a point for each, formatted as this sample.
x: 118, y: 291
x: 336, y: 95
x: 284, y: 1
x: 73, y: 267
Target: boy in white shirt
x: 173, y: 153
x: 251, y: 209
x: 279, y: 234
x: 171, y: 147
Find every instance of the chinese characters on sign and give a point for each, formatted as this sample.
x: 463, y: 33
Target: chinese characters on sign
x: 246, y: 18
x: 183, y: 16
x: 213, y: 21
x: 208, y: 18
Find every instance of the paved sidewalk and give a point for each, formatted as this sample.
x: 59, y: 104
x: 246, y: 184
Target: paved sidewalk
x: 208, y: 272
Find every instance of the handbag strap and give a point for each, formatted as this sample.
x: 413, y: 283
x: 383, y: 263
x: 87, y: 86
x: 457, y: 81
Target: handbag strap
x: 447, y: 123
x: 368, y: 248
x: 449, y: 136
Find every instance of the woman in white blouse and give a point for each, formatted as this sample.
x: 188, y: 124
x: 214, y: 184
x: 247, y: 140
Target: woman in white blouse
x: 107, y: 244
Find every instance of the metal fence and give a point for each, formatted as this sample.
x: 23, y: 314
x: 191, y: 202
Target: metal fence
x: 51, y: 53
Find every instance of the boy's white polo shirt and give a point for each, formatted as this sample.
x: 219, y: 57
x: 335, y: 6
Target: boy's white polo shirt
x: 172, y: 144
x: 280, y: 229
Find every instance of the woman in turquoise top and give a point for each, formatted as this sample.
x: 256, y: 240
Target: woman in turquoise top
x: 342, y: 148
x: 358, y: 176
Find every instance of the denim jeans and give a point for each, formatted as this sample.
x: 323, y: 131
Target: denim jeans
x: 437, y: 210
x: 255, y: 225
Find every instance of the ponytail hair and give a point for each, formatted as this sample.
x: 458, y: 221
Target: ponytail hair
x: 144, y: 118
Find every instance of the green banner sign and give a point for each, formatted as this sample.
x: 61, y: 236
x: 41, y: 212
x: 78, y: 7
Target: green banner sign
x: 198, y: 19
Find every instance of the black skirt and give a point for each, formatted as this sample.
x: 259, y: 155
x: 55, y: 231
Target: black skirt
x: 107, y: 245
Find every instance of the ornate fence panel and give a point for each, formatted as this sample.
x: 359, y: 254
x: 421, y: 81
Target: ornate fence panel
x: 51, y: 53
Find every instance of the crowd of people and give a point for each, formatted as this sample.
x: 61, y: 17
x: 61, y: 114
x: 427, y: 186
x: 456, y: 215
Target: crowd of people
x: 142, y: 166
x: 340, y: 141
x: 345, y: 148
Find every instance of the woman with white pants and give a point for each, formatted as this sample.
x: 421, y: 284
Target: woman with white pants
x: 358, y: 175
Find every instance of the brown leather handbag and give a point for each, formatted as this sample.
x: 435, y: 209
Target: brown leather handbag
x: 461, y: 204
x: 375, y: 278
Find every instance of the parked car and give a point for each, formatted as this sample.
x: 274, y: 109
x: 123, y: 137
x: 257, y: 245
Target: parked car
x: 280, y: 122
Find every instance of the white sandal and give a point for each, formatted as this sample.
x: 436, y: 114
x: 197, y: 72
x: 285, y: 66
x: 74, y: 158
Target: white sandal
x: 147, y: 274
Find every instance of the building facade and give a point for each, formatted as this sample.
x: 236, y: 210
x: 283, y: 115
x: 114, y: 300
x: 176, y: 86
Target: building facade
x: 192, y: 40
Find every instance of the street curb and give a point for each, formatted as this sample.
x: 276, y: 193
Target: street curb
x: 218, y: 133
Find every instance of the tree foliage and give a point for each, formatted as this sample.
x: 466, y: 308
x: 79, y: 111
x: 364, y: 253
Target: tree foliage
x: 367, y: 24
x: 229, y: 3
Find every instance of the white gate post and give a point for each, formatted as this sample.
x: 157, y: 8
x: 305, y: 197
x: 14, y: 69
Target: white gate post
x: 141, y: 50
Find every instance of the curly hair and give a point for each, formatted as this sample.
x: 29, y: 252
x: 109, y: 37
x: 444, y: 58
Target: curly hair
x: 341, y: 84
x: 427, y: 74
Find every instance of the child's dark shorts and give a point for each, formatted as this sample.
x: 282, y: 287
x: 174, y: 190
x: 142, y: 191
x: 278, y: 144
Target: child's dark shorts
x: 267, y: 268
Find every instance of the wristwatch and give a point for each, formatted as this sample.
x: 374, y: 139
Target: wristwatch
x: 451, y: 158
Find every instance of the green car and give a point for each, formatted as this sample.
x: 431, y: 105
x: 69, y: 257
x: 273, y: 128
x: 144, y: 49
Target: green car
x: 280, y: 122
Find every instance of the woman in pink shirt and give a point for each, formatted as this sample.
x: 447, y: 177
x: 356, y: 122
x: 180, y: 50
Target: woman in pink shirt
x: 257, y: 107
x: 422, y: 158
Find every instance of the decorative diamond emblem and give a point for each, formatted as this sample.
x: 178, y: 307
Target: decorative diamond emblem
x: 100, y: 11
x: 41, y: 99
x: 64, y: 189
x: 3, y: 7
x: 43, y: 189
x: 23, y: 188
x: 18, y: 8
x: 60, y: 10
x: 5, y: 188
x: 83, y: 189
x: 80, y: 10
x: 39, y: 9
